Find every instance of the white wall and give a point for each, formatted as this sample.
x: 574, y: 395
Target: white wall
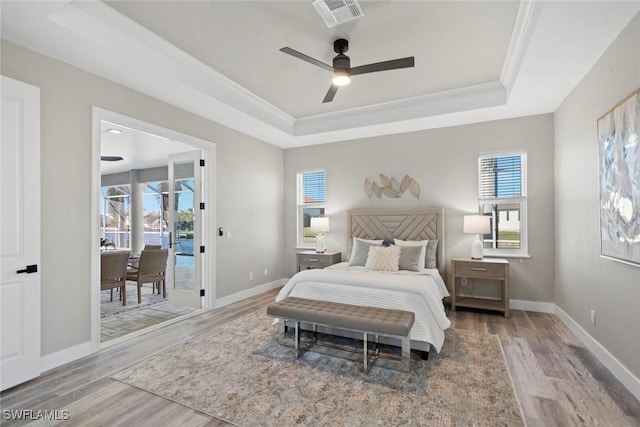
x: 584, y: 280
x: 444, y: 162
x: 249, y: 189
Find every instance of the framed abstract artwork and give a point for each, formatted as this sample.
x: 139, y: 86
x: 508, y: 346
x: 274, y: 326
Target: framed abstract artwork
x: 619, y: 147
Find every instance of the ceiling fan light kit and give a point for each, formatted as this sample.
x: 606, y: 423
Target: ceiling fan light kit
x: 341, y: 78
x: 341, y: 68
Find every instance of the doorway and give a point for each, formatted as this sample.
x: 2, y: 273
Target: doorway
x: 146, y: 193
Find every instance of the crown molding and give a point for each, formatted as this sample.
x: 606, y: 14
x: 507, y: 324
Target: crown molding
x: 450, y: 101
x: 92, y: 36
x: 158, y: 68
x: 525, y: 24
x: 150, y: 58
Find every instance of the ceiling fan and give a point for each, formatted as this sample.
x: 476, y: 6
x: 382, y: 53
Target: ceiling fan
x: 341, y: 68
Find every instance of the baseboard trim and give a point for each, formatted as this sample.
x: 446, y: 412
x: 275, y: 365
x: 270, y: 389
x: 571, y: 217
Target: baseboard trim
x: 538, y: 306
x: 71, y: 354
x: 239, y: 296
x: 626, y: 377
x: 65, y: 356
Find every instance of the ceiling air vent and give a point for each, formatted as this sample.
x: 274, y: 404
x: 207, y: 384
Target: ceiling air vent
x: 336, y: 12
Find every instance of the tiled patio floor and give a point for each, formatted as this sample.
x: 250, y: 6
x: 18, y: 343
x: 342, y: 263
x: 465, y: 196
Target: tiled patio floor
x: 118, y: 320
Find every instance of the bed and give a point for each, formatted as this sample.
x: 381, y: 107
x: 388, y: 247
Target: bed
x: 418, y: 291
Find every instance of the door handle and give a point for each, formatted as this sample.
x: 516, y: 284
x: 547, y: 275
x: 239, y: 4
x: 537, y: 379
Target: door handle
x: 30, y: 269
x: 170, y: 240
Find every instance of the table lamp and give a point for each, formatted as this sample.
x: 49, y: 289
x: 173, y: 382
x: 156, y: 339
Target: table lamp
x: 476, y: 224
x: 320, y: 225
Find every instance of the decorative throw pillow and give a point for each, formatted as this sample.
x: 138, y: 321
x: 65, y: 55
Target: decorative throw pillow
x: 387, y: 242
x: 360, y: 250
x: 382, y: 258
x: 421, y: 243
x: 431, y: 257
x: 410, y: 258
x: 352, y: 242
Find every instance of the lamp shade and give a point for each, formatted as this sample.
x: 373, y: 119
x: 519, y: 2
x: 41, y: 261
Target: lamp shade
x: 477, y: 224
x: 320, y: 224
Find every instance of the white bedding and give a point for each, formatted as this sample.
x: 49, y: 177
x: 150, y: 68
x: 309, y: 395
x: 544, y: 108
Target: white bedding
x: 420, y: 292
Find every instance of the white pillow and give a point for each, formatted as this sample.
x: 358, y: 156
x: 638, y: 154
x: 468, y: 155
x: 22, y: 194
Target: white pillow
x: 383, y: 258
x: 423, y: 243
x: 373, y: 242
x: 360, y: 250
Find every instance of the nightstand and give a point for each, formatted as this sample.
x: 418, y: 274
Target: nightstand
x: 311, y: 259
x: 496, y: 269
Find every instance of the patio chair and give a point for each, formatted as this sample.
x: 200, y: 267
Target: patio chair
x: 106, y: 243
x: 152, y: 268
x: 134, y: 260
x: 113, y: 272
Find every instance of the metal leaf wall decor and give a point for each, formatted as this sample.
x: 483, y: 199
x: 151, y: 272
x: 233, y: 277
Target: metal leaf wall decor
x: 391, y: 187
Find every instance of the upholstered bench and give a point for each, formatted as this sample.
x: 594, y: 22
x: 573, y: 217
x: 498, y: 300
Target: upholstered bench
x: 366, y: 320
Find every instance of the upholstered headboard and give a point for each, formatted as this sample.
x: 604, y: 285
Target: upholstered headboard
x: 406, y: 224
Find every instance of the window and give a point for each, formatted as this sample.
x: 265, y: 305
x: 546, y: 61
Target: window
x: 114, y: 215
x: 156, y: 214
x: 116, y: 220
x: 503, y: 198
x: 311, y: 200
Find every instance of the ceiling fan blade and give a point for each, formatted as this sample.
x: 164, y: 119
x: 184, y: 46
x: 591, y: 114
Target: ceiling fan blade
x: 306, y: 58
x: 393, y: 64
x: 111, y: 158
x: 330, y: 94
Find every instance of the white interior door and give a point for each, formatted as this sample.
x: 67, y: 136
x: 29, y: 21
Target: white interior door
x: 185, y: 228
x: 19, y: 233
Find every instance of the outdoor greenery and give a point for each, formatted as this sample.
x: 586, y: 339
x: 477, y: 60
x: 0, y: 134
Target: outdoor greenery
x: 308, y: 234
x: 184, y: 226
x: 509, y: 235
x: 506, y: 240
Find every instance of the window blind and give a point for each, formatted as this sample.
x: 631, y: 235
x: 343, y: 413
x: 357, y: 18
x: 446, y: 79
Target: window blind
x: 313, y: 187
x: 501, y: 177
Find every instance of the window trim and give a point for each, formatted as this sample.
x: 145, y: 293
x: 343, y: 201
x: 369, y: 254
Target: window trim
x: 522, y: 201
x: 300, y: 206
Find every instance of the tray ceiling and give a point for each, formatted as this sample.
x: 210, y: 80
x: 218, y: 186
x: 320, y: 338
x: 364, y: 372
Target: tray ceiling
x: 475, y: 60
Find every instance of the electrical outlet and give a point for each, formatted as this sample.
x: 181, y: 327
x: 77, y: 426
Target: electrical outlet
x: 463, y: 281
x: 266, y: 272
x: 250, y: 276
x: 593, y: 316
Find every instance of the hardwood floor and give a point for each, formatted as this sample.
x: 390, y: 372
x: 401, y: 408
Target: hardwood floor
x: 558, y: 381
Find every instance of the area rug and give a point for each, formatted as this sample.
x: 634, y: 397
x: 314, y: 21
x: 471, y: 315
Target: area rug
x: 238, y: 372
